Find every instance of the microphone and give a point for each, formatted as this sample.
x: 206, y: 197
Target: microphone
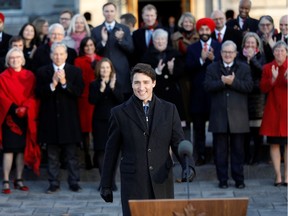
x: 185, y: 149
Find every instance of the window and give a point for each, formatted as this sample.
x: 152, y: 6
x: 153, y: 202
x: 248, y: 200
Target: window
x: 10, y: 4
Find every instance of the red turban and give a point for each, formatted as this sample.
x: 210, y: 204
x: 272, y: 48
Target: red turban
x: 2, y: 17
x: 205, y: 21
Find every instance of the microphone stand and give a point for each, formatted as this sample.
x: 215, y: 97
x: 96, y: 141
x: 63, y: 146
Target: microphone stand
x: 187, y: 180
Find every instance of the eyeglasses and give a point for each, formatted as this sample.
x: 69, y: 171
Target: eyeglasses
x: 65, y: 19
x: 265, y: 24
x: 227, y: 52
x: 56, y: 34
x: 220, y: 18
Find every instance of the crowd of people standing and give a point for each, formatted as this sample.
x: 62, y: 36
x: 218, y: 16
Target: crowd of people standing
x: 58, y: 83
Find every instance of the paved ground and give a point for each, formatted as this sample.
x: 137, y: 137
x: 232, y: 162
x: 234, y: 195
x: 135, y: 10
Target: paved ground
x: 264, y: 198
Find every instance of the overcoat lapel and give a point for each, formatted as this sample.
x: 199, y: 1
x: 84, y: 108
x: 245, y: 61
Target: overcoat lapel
x: 131, y: 111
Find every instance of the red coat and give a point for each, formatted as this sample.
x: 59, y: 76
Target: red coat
x: 85, y: 108
x: 274, y: 122
x: 18, y: 88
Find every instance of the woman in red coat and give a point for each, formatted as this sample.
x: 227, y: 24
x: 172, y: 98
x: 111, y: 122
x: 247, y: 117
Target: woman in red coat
x: 274, y: 123
x: 86, y: 62
x: 18, y: 114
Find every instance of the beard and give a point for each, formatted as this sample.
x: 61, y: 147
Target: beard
x: 205, y: 37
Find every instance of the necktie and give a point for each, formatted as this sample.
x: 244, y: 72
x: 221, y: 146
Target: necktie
x: 109, y: 28
x: 228, y: 70
x: 205, y: 47
x: 219, y: 37
x: 146, y: 109
x: 243, y: 23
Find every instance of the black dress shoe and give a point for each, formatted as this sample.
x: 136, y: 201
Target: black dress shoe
x: 223, y: 184
x: 75, y: 188
x: 240, y: 185
x: 52, y: 189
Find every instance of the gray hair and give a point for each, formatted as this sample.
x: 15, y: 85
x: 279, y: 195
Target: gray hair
x: 280, y: 44
x: 229, y: 43
x: 14, y: 49
x: 257, y: 38
x: 160, y: 32
x: 54, y: 26
x: 57, y: 44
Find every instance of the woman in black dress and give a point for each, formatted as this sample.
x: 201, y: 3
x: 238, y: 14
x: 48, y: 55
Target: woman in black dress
x: 104, y: 93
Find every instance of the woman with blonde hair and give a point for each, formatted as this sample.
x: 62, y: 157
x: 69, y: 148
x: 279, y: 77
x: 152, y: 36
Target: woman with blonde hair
x: 18, y: 114
x: 187, y: 33
x: 78, y: 29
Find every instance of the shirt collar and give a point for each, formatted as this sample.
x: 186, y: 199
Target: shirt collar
x: 228, y: 65
x: 208, y: 42
x: 112, y: 24
x: 58, y: 67
x: 222, y: 31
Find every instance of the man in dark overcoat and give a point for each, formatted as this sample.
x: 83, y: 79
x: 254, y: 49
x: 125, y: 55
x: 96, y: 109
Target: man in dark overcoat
x: 229, y: 83
x: 144, y: 140
x: 4, y: 38
x: 114, y: 41
x: 58, y: 87
x: 243, y: 22
x: 199, y: 55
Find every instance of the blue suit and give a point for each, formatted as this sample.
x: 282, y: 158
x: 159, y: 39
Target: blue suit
x: 199, y: 98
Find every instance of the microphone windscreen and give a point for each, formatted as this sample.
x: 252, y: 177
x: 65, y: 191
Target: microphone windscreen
x: 185, y: 148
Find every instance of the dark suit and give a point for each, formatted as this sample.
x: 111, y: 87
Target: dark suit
x: 4, y: 44
x: 229, y: 117
x: 118, y: 52
x: 42, y: 57
x: 230, y: 34
x: 250, y: 25
x: 199, y: 98
x: 145, y: 165
x: 59, y: 122
x: 279, y: 37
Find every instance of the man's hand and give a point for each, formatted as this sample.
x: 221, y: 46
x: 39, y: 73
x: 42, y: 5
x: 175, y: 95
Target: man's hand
x: 104, y: 34
x: 228, y: 79
x: 106, y: 194
x: 61, y: 76
x: 191, y: 174
x: 119, y: 34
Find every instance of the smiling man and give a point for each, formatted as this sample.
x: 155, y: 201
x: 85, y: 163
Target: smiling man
x: 58, y: 86
x: 244, y: 22
x: 229, y: 83
x: 142, y: 129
